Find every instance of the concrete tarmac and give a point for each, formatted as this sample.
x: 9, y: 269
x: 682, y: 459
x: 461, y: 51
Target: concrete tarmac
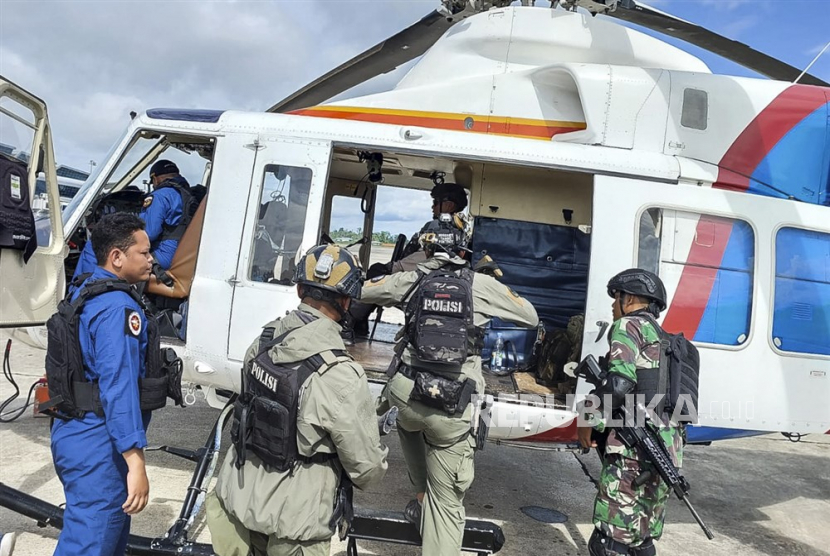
x: 761, y: 496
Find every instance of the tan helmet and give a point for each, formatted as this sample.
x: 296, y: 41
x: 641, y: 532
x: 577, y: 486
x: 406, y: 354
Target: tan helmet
x: 330, y: 268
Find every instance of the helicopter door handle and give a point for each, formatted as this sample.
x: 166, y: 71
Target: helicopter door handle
x: 233, y: 280
x: 411, y: 134
x: 603, y: 326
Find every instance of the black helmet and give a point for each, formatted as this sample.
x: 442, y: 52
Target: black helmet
x: 450, y: 192
x: 636, y: 281
x: 448, y: 232
x: 330, y: 268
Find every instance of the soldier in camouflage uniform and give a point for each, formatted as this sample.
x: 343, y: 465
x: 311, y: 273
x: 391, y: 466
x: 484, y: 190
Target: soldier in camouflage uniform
x: 629, y: 518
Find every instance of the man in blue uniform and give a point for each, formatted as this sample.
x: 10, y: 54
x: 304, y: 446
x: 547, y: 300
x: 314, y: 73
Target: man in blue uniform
x: 99, y: 458
x: 163, y: 213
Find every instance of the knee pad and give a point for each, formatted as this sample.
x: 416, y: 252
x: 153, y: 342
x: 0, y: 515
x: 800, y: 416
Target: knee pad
x: 600, y: 545
x: 646, y: 548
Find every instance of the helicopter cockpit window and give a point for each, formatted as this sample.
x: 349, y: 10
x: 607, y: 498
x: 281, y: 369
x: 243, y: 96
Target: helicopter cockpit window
x: 280, y: 223
x: 136, y: 151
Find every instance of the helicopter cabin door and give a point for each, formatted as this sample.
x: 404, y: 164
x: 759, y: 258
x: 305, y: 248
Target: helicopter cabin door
x: 748, y: 280
x: 284, y: 206
x: 31, y: 246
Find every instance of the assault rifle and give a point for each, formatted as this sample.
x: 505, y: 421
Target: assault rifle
x: 646, y: 440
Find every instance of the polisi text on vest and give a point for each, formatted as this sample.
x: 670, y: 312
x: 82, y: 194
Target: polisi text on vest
x: 443, y: 306
x: 264, y: 378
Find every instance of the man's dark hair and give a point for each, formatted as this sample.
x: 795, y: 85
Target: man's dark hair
x: 114, y: 231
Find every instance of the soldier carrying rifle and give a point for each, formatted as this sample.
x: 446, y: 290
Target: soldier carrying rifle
x: 640, y: 463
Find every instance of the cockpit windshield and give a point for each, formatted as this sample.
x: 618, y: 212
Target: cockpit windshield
x: 93, y: 177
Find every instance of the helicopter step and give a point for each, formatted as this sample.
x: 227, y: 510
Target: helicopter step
x: 480, y: 537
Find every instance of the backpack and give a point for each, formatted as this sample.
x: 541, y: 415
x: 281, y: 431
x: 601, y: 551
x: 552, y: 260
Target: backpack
x: 681, y: 361
x: 683, y: 365
x: 439, y: 318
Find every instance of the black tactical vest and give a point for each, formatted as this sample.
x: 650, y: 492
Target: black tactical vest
x: 265, y: 414
x: 17, y: 222
x: 439, y: 318
x: 189, y: 206
x: 71, y: 395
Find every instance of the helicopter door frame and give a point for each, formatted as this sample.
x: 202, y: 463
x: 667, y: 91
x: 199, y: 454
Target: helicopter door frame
x: 31, y: 291
x: 259, y: 299
x: 750, y: 385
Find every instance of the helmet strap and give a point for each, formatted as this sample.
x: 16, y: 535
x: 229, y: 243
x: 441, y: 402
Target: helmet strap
x: 325, y: 296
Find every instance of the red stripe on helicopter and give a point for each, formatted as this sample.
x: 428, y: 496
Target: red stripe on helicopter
x: 698, y: 277
x: 514, y: 127
x: 764, y: 132
x: 562, y: 433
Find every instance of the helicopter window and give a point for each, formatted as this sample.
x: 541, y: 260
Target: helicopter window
x: 346, y: 223
x: 135, y: 152
x: 711, y: 260
x: 648, y: 257
x: 695, y: 113
x: 801, y: 321
x: 279, y: 232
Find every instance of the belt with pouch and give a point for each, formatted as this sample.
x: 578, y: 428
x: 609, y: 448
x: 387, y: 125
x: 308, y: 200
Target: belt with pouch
x: 451, y: 396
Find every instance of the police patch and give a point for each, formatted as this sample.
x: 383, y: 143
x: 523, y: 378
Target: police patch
x: 132, y: 322
x: 148, y: 201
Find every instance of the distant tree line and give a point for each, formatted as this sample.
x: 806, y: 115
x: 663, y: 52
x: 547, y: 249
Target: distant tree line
x: 342, y: 235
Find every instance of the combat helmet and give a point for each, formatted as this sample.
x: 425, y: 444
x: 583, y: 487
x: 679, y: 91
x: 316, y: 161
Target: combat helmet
x: 449, y: 233
x: 330, y: 272
x: 636, y: 281
x: 450, y: 192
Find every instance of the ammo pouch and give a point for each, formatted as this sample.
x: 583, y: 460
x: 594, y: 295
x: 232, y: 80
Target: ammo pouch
x: 451, y: 396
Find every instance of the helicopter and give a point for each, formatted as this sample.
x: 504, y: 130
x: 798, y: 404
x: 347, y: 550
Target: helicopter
x: 586, y: 146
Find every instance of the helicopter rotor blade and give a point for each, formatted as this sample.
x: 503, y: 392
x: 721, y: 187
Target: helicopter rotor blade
x: 640, y: 14
x: 381, y: 58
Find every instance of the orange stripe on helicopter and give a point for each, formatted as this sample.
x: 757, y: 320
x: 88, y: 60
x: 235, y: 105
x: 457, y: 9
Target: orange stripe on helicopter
x: 513, y: 127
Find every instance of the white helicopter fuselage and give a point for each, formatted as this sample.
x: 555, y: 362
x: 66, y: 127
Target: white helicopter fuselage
x: 558, y: 123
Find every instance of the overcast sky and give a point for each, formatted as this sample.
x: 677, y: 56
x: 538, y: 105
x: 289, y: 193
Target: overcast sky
x: 95, y: 61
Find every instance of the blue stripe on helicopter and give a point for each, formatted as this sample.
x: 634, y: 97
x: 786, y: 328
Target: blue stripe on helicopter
x: 798, y: 165
x: 697, y: 434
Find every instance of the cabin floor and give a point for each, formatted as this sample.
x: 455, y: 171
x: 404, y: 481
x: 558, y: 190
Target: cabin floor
x: 375, y: 356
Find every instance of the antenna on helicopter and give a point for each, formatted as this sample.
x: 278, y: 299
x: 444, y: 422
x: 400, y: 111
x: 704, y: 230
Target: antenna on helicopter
x: 823, y: 50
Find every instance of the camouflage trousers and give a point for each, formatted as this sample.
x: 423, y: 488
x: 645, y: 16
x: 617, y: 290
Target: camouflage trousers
x: 626, y: 513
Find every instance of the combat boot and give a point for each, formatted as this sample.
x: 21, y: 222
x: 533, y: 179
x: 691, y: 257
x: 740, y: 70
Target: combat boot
x: 600, y: 545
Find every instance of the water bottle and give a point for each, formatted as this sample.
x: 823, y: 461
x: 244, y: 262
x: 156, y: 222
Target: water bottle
x: 497, y: 357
